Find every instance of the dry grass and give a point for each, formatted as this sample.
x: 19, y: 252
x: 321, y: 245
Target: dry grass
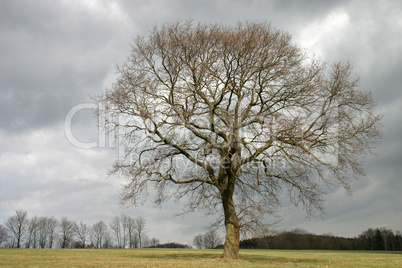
x: 194, y: 258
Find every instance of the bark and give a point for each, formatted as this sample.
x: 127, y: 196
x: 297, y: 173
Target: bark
x: 232, y: 240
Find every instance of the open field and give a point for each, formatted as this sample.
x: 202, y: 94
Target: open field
x: 194, y: 258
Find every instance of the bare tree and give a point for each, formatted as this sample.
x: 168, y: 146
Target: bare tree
x: 3, y: 234
x: 46, y: 231
x: 368, y: 238
x: 388, y: 238
x: 122, y: 227
x: 135, y: 240
x: 52, y: 225
x: 399, y: 236
x: 126, y: 228
x: 154, y: 242
x: 43, y: 231
x: 18, y: 225
x: 139, y: 226
x: 66, y: 229
x: 116, y: 228
x: 82, y: 231
x: 99, y: 234
x: 130, y: 222
x: 212, y: 239
x: 236, y: 118
x: 198, y: 241
x: 145, y: 241
x: 107, y: 241
x: 33, y: 228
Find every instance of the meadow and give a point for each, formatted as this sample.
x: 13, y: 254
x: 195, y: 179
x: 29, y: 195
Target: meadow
x: 194, y: 258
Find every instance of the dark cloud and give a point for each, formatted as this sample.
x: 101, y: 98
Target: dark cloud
x: 53, y: 55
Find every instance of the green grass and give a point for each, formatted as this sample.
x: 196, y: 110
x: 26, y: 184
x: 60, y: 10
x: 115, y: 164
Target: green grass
x: 194, y: 258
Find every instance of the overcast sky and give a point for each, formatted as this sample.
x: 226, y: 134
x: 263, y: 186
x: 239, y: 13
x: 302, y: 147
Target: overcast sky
x: 55, y: 54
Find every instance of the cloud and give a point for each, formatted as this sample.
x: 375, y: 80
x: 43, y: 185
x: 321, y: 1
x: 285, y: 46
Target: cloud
x: 42, y: 172
x: 318, y: 35
x: 54, y: 54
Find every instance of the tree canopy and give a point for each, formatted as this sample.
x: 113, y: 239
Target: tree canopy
x: 237, y: 119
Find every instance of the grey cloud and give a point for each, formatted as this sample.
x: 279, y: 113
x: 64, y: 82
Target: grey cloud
x: 54, y: 53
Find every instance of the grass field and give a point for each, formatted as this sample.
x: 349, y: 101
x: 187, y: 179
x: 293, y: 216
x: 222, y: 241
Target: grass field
x: 194, y: 258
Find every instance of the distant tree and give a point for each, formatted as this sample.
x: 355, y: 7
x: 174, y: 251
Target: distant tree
x: 33, y: 228
x: 43, y: 230
x: 299, y: 231
x: 173, y: 245
x: 66, y: 230
x: 52, y: 225
x: 146, y: 241
x: 107, y: 241
x: 378, y: 240
x: 98, y: 234
x: 139, y: 226
x: 116, y: 228
x: 135, y: 240
x: 398, y: 237
x: 388, y: 238
x: 131, y: 233
x: 212, y: 239
x: 290, y: 240
x: 208, y: 240
x: 3, y: 235
x: 125, y: 228
x: 328, y: 234
x: 368, y: 239
x: 82, y: 231
x: 198, y: 241
x: 236, y: 118
x: 18, y: 225
x: 154, y: 242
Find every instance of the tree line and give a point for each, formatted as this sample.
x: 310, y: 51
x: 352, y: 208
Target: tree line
x: 371, y: 239
x: 20, y: 231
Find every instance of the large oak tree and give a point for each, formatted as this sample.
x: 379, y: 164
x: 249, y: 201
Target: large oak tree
x: 237, y: 119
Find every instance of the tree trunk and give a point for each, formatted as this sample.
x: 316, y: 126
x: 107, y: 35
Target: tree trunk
x: 232, y: 241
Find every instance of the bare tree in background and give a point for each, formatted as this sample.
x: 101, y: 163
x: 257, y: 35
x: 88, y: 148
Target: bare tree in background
x: 198, y: 241
x: 139, y: 226
x: 116, y: 229
x: 82, y: 231
x: 33, y: 228
x: 66, y: 229
x: 99, y: 234
x: 43, y: 231
x: 3, y: 234
x: 130, y: 222
x: 122, y: 228
x: 135, y: 240
x: 52, y: 225
x: 154, y: 242
x: 126, y: 226
x: 18, y: 225
x: 212, y: 239
x: 236, y: 119
x: 46, y: 231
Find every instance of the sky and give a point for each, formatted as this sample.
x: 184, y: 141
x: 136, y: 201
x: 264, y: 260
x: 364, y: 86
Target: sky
x: 56, y: 55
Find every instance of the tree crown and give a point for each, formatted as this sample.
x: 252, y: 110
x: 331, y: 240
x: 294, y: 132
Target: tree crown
x: 207, y: 108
